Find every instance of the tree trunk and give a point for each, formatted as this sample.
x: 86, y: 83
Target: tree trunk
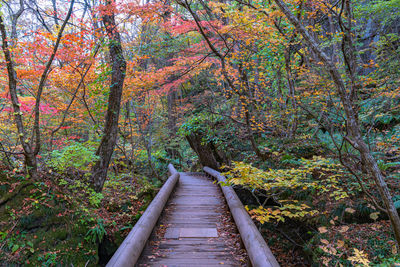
x: 30, y: 159
x: 109, y: 140
x: 262, y: 156
x: 150, y: 161
x: 172, y: 148
x: 205, y: 152
x: 291, y: 95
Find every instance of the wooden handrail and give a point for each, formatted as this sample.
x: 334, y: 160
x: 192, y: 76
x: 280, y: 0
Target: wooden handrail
x: 259, y: 253
x: 129, y: 251
x: 172, y: 169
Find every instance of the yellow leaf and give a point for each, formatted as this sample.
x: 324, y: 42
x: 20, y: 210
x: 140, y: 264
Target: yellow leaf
x: 340, y: 243
x: 359, y: 257
x: 374, y: 216
x: 344, y: 229
x: 394, y: 250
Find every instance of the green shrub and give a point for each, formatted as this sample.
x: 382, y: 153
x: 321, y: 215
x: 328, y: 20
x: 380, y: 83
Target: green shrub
x: 97, y: 232
x: 76, y: 155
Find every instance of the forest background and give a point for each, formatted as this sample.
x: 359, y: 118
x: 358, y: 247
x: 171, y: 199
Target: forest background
x: 296, y: 101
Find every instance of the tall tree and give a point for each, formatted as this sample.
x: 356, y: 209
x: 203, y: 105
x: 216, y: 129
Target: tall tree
x: 31, y: 145
x: 109, y: 139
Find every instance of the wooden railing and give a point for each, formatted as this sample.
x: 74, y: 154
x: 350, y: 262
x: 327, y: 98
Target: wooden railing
x: 259, y: 253
x: 132, y: 246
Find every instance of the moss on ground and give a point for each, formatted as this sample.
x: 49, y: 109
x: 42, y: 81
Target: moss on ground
x: 39, y: 226
x: 52, y: 222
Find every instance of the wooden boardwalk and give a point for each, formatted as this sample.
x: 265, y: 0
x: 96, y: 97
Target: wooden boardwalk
x: 188, y: 223
x: 195, y: 228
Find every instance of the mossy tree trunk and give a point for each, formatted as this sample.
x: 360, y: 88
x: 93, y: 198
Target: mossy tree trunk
x: 109, y: 139
x: 208, y: 154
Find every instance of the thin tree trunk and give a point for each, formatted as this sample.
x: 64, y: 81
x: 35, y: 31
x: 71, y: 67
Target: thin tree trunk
x: 30, y: 159
x: 29, y: 152
x: 14, y: 19
x: 253, y: 142
x: 42, y: 82
x: 291, y: 95
x: 109, y: 139
x: 146, y: 143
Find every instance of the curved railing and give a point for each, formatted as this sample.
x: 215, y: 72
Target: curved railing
x: 259, y: 253
x: 132, y: 246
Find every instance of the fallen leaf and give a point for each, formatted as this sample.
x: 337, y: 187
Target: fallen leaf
x: 324, y: 241
x: 350, y: 210
x: 374, y: 216
x: 322, y: 229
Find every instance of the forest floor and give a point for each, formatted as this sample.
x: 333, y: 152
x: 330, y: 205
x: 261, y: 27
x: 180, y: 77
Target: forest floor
x: 336, y: 246
x: 54, y: 221
x: 58, y: 221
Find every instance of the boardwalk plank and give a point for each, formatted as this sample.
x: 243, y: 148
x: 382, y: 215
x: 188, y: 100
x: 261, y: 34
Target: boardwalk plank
x: 192, y: 230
